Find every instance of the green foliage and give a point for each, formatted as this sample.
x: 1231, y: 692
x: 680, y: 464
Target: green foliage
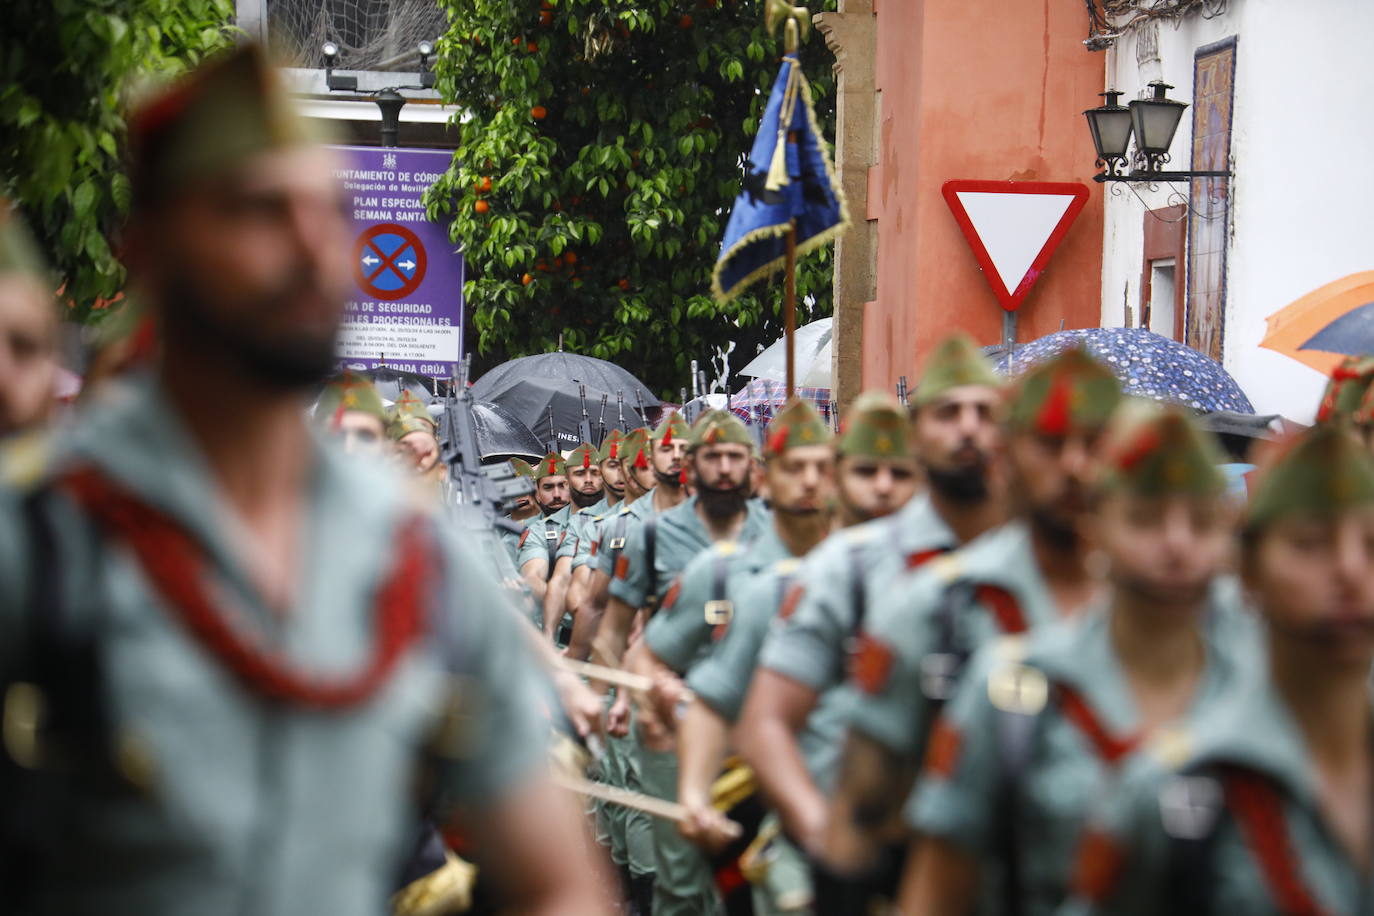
x: 66, y: 67
x: 600, y: 152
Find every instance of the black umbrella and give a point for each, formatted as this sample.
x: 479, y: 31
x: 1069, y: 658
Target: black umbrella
x: 529, y: 400
x: 566, y: 367
x: 501, y: 435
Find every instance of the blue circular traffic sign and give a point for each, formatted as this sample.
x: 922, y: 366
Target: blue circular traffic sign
x: 389, y: 262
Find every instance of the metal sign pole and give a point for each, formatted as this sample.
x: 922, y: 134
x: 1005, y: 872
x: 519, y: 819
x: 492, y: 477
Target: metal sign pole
x: 1008, y: 339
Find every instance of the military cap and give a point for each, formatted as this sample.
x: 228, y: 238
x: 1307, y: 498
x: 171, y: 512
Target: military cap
x: 584, y: 456
x: 875, y: 426
x: 672, y: 427
x: 1345, y: 396
x: 409, y: 415
x: 719, y: 427
x: 610, y: 446
x: 1066, y: 392
x: 797, y: 424
x: 553, y: 465
x: 229, y: 109
x: 634, y: 450
x: 1322, y: 472
x: 19, y: 252
x: 956, y: 362
x: 1157, y: 451
x: 348, y: 392
x: 522, y: 468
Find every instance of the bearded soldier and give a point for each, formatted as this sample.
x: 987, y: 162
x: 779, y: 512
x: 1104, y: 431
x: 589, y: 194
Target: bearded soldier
x: 230, y: 652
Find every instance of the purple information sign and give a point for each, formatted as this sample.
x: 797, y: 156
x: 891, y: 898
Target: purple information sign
x: 407, y: 306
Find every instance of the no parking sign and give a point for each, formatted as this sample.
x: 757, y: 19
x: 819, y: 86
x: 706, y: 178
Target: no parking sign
x: 407, y: 307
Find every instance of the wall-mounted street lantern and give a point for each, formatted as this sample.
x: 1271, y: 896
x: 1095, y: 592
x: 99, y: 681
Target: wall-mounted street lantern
x: 1153, y: 121
x: 389, y: 100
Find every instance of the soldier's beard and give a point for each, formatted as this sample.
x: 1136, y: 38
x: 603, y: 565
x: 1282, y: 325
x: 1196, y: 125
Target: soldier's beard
x: 1059, y: 533
x: 289, y: 362
x: 722, y: 503
x: 672, y: 480
x: 583, y: 500
x: 964, y: 486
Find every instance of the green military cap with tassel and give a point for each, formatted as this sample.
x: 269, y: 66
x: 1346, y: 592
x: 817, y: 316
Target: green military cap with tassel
x: 719, y: 427
x: 634, y: 451
x: 584, y: 456
x: 611, y: 447
x: 672, y: 427
x: 876, y: 427
x: 797, y: 424
x: 955, y: 363
x: 227, y: 111
x: 1156, y: 451
x: 522, y: 468
x: 1345, y: 397
x: 1071, y: 391
x: 409, y: 415
x: 348, y: 392
x: 19, y: 252
x: 553, y: 465
x: 1323, y: 472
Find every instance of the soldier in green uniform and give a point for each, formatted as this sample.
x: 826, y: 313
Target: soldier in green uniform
x: 524, y: 509
x: 585, y: 522
x: 954, y: 432
x: 874, y: 437
x: 416, y: 435
x: 656, y: 550
x: 1262, y: 803
x: 227, y: 651
x: 1025, y: 573
x: 28, y: 328
x: 540, y: 541
x: 584, y: 490
x: 1042, y: 725
x: 350, y: 408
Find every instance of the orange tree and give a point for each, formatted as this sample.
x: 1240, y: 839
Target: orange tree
x: 600, y: 150
x: 66, y: 67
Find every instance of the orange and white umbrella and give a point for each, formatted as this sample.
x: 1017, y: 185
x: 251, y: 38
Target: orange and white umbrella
x: 1296, y: 330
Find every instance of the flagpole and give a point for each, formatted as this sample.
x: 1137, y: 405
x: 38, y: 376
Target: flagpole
x: 789, y: 306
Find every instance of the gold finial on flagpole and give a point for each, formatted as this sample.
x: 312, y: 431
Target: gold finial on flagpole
x: 797, y: 19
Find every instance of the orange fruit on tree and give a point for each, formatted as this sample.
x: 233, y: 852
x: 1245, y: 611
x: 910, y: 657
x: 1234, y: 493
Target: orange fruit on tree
x: 624, y: 283
x: 685, y: 22
x: 486, y: 183
x: 570, y: 257
x: 481, y: 206
x: 532, y: 47
x: 539, y: 112
x: 546, y: 17
x: 526, y: 280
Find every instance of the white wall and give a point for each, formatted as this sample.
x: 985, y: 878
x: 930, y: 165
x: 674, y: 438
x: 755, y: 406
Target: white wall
x: 1302, y: 210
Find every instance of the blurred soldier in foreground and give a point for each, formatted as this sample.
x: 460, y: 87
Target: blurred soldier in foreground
x: 1262, y: 803
x: 28, y: 328
x: 231, y: 654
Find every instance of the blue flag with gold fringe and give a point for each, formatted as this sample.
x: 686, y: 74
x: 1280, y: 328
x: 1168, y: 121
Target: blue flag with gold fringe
x: 788, y: 177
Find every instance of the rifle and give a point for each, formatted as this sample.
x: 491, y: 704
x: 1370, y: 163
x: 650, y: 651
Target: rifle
x: 620, y: 410
x: 902, y: 390
x: 553, y: 434
x: 643, y: 417
x: 481, y: 495
x: 601, y: 421
x: 682, y: 399
x: 584, y: 426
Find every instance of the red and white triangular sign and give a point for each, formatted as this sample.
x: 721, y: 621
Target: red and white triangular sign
x: 1013, y: 227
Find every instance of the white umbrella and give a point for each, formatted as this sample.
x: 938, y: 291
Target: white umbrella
x: 813, y: 347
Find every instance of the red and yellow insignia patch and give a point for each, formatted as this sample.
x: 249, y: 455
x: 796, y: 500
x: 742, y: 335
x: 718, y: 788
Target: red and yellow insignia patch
x: 1097, y: 866
x: 622, y: 567
x: 870, y: 665
x: 524, y: 536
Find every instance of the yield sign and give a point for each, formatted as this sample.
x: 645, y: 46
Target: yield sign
x: 1013, y: 227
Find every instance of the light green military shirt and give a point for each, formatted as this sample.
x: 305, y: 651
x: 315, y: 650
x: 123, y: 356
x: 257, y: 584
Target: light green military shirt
x: 541, y: 539
x: 687, y: 623
x: 1182, y: 799
x: 249, y: 805
x: 511, y: 539
x: 901, y: 668
x: 679, y: 536
x: 616, y: 532
x: 1053, y: 714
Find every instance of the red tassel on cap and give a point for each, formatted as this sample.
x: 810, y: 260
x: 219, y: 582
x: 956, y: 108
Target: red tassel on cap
x: 682, y: 477
x: 641, y: 461
x: 778, y: 442
x: 1054, y: 415
x: 586, y: 458
x: 668, y: 435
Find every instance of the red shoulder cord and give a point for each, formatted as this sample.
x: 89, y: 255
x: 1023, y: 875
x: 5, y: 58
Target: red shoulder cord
x: 1258, y: 810
x: 176, y: 564
x: 1004, y: 606
x: 1108, y: 746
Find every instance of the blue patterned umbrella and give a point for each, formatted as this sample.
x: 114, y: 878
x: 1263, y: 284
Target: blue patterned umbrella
x: 1148, y: 365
